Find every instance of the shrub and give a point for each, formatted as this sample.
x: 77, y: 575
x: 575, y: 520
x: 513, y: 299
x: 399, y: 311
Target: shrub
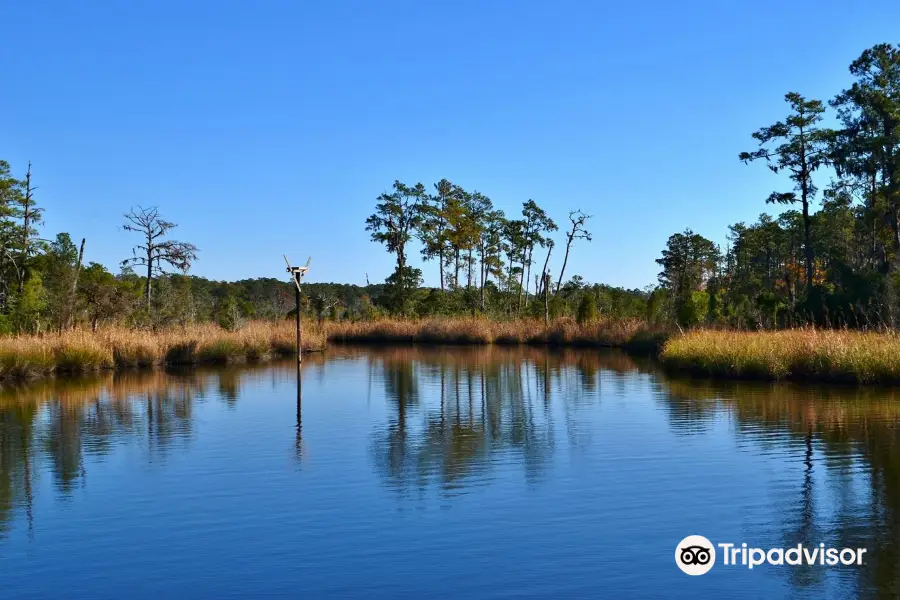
x: 587, y: 309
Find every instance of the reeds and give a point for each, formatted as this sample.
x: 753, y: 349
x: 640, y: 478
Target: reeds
x: 83, y: 351
x: 560, y: 332
x: 826, y: 355
x: 815, y: 354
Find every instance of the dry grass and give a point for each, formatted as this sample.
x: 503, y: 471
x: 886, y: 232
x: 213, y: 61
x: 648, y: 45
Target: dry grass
x: 826, y: 355
x: 83, y: 351
x: 561, y: 332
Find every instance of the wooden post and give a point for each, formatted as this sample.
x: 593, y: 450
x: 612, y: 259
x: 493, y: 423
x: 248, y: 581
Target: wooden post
x: 70, y: 310
x: 299, y: 325
x: 297, y: 274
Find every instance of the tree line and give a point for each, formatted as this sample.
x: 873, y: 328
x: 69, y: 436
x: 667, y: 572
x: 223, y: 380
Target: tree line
x: 831, y: 258
x: 45, y: 285
x: 484, y: 259
x: 835, y: 266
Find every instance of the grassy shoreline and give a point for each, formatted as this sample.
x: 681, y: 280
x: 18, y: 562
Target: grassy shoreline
x: 629, y: 334
x: 799, y: 354
x: 82, y: 351
x: 831, y: 356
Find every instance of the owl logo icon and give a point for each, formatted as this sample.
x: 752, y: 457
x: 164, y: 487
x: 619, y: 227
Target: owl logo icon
x: 695, y: 555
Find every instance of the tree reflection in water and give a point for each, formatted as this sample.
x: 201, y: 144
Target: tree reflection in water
x: 844, y: 438
x: 483, y: 404
x: 847, y: 439
x: 54, y: 424
x: 454, y: 414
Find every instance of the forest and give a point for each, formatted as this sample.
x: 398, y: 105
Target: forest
x: 45, y: 285
x: 830, y: 258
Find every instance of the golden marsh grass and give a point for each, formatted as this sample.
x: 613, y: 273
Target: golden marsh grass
x: 473, y: 330
x: 826, y: 355
x: 818, y: 354
x: 84, y: 351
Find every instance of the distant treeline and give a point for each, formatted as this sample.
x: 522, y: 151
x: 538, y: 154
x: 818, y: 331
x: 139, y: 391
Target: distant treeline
x: 45, y: 285
x: 834, y: 260
x: 835, y: 266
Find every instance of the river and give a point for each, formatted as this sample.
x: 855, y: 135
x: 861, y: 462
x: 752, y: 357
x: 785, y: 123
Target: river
x: 412, y: 472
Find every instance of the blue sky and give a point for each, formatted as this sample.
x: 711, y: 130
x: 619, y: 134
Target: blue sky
x: 271, y: 126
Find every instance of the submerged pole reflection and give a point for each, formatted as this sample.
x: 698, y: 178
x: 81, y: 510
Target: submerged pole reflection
x: 299, y: 441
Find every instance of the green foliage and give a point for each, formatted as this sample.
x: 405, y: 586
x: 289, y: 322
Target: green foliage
x: 694, y: 310
x: 658, y: 305
x: 802, y: 147
x: 436, y: 303
x: 29, y: 306
x: 58, y: 264
x: 398, y: 296
x: 228, y: 315
x: 714, y: 310
x: 835, y: 265
x: 688, y: 261
x: 587, y: 309
x: 621, y: 303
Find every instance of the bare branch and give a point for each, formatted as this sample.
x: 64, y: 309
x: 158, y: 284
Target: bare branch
x: 578, y: 232
x: 154, y: 253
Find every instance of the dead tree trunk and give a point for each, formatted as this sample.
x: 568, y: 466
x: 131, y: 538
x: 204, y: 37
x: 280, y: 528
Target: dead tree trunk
x: 546, y: 262
x: 73, y: 291
x: 578, y: 220
x: 546, y: 298
x: 528, y: 276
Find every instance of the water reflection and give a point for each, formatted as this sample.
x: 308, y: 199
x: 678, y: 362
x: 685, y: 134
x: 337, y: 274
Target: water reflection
x: 298, y: 444
x: 457, y: 420
x: 483, y: 405
x: 847, y: 440
x: 52, y: 425
x: 492, y: 402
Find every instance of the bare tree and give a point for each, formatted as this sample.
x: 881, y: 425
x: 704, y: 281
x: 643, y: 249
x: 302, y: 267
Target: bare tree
x: 322, y: 304
x: 543, y: 281
x: 155, y: 251
x: 547, y: 283
x: 70, y: 314
x: 578, y: 232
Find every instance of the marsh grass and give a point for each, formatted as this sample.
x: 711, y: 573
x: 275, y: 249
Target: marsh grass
x: 560, y: 332
x: 220, y: 352
x: 814, y: 354
x: 825, y: 355
x: 85, y: 351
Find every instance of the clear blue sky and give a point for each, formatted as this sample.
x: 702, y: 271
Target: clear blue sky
x: 271, y: 126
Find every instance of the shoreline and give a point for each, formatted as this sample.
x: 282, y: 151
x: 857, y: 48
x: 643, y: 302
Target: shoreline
x: 803, y: 355
x: 632, y: 334
x: 80, y: 351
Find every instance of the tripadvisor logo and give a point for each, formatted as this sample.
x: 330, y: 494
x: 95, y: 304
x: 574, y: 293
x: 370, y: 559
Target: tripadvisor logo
x: 696, y: 555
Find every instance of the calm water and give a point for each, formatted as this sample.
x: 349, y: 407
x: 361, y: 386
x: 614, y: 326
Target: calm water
x: 429, y: 473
